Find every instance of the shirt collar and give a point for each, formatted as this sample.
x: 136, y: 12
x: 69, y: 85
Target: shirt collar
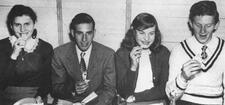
x: 196, y: 46
x: 30, y: 46
x: 211, y: 45
x: 146, y: 52
x: 87, y: 53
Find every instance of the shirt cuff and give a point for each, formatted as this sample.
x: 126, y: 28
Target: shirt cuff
x: 13, y: 57
x: 180, y: 83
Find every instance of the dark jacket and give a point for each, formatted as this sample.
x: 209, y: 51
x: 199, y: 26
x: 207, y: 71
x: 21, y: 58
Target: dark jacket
x: 126, y: 79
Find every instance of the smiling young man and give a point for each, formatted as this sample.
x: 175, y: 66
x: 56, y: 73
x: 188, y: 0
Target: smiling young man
x: 196, y: 64
x: 83, y: 66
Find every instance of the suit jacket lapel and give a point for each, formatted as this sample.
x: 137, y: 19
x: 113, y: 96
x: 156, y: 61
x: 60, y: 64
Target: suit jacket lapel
x: 73, y: 63
x: 92, y: 62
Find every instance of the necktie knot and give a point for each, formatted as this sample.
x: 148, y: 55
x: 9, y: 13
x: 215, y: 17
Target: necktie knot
x: 82, y: 54
x: 204, y: 54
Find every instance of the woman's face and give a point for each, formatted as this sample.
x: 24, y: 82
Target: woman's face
x: 145, y: 37
x: 23, y: 27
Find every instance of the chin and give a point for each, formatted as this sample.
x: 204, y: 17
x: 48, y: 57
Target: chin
x: 84, y: 48
x: 203, y: 42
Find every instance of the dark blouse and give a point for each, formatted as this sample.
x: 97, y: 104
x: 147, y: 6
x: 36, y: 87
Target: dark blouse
x: 29, y: 70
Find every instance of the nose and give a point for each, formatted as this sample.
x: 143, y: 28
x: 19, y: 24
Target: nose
x: 22, y: 28
x: 203, y: 30
x: 84, y: 37
x: 146, y: 37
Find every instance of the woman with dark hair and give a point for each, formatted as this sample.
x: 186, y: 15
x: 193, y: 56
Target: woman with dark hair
x: 142, y: 62
x: 25, y: 60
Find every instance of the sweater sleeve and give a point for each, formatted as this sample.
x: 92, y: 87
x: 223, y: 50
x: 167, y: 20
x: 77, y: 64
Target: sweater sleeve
x: 175, y: 86
x: 125, y: 77
x: 7, y: 68
x: 45, y: 85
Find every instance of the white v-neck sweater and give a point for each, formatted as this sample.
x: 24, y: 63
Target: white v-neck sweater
x: 207, y: 86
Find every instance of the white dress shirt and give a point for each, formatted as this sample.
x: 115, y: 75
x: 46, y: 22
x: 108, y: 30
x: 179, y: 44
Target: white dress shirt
x: 86, y: 56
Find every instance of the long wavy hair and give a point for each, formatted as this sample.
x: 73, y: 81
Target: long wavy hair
x: 141, y: 22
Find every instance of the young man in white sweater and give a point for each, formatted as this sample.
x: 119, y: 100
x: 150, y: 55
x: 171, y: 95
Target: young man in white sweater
x: 196, y: 74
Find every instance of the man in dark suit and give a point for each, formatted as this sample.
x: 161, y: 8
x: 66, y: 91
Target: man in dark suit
x: 83, y: 66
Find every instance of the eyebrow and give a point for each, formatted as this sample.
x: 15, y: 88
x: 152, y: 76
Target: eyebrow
x: 82, y: 32
x: 139, y: 30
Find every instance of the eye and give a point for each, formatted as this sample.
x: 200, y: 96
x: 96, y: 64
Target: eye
x: 27, y: 24
x: 140, y: 32
x: 78, y: 33
x: 151, y: 33
x: 90, y: 33
x: 16, y: 24
x: 209, y: 25
x: 198, y: 25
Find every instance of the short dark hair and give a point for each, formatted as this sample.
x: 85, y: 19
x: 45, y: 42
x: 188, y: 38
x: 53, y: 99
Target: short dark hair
x: 19, y: 10
x: 81, y: 18
x: 204, y: 8
x: 141, y: 22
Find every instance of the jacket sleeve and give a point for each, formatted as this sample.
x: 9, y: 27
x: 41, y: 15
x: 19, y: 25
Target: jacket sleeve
x: 107, y: 92
x: 158, y: 91
x: 223, y: 88
x: 59, y: 79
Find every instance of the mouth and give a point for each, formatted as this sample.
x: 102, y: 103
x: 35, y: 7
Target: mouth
x: 23, y: 33
x: 146, y: 43
x: 203, y: 36
x: 84, y: 44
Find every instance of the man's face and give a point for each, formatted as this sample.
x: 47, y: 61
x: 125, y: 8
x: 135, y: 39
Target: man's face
x: 84, y: 35
x: 23, y: 27
x: 203, y: 28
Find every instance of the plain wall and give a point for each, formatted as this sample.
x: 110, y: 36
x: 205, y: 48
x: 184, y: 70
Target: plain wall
x: 111, y: 18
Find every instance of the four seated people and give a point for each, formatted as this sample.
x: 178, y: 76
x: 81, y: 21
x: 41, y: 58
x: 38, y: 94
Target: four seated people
x: 85, y: 72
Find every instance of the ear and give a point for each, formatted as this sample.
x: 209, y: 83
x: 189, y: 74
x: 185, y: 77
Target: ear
x: 12, y: 32
x: 131, y: 27
x: 72, y: 33
x: 190, y: 23
x: 94, y: 31
x: 34, y: 34
x: 217, y: 25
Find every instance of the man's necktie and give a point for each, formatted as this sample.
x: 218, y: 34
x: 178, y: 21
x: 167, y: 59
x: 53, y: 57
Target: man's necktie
x: 83, y: 66
x: 204, y: 54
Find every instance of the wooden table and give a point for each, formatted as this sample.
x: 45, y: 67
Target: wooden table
x: 156, y: 102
